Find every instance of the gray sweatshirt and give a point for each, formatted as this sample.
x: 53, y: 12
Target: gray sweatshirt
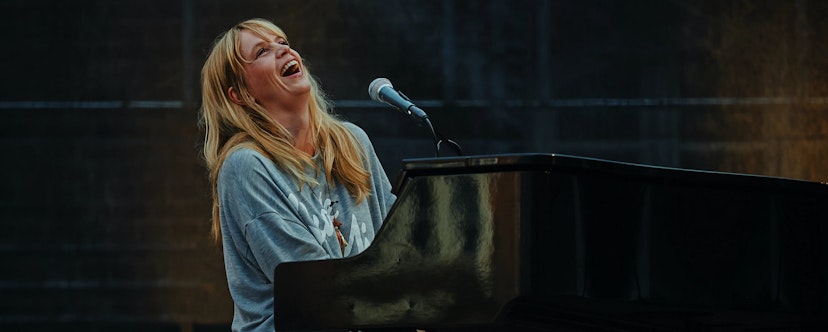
x: 266, y: 220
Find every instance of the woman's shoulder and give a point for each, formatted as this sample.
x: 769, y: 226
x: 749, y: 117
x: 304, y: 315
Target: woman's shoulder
x: 243, y: 160
x: 356, y: 131
x: 243, y: 156
x: 353, y: 127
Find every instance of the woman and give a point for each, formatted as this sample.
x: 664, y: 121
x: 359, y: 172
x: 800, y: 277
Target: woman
x: 290, y: 181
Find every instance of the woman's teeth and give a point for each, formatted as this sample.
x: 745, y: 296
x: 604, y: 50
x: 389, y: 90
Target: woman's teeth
x: 290, y: 68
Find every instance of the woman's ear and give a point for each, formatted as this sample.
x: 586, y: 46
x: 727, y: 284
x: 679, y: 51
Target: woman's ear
x: 234, y: 96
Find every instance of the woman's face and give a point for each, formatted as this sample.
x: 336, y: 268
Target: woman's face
x: 274, y: 76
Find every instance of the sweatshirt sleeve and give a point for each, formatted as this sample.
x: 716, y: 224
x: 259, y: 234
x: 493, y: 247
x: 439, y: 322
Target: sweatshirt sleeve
x: 379, y: 179
x: 258, y: 218
x: 274, y: 240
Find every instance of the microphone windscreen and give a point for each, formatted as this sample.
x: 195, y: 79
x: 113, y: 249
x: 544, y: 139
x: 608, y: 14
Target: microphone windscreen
x: 376, y: 85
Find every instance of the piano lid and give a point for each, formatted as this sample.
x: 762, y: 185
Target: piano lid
x: 540, y: 241
x: 413, y: 167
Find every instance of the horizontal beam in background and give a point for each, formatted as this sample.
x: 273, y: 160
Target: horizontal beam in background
x: 92, y: 104
x: 96, y: 284
x: 516, y: 103
x: 11, y: 248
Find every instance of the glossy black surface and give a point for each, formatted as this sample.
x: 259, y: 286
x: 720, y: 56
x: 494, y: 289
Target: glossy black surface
x: 549, y: 241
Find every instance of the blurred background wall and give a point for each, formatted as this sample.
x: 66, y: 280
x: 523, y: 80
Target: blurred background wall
x: 105, y: 200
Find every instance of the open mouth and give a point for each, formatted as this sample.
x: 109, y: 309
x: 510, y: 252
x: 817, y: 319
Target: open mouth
x: 290, y: 68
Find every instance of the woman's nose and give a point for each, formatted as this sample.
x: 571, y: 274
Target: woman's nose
x: 281, y: 50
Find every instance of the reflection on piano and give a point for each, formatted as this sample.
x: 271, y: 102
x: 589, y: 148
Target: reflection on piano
x: 554, y: 242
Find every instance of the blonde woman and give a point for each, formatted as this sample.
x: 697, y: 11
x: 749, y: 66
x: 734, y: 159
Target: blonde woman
x: 290, y: 181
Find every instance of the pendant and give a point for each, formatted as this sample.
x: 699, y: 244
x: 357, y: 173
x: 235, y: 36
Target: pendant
x: 342, y: 242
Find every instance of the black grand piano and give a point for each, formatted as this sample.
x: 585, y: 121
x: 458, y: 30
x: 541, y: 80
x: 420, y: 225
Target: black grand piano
x: 541, y: 242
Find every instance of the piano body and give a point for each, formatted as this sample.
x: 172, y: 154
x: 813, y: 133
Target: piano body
x: 554, y: 242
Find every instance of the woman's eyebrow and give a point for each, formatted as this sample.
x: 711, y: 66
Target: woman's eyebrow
x: 252, y: 50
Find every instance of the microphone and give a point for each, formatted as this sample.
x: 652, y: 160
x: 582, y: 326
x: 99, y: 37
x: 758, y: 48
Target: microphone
x: 382, y: 91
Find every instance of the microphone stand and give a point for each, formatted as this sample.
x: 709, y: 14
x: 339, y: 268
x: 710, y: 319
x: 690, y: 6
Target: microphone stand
x: 438, y: 137
x: 454, y: 146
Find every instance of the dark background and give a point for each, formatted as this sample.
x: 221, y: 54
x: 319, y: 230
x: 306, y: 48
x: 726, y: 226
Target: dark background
x: 105, y: 200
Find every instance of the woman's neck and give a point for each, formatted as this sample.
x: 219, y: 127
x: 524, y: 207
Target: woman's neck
x: 297, y: 123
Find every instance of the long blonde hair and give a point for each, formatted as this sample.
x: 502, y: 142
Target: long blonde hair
x: 229, y: 126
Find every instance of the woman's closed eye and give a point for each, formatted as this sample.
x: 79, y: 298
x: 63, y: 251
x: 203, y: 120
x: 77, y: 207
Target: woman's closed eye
x: 264, y: 50
x: 261, y: 52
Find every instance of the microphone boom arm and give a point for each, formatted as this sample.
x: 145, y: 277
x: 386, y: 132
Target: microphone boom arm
x: 381, y: 90
x: 438, y: 137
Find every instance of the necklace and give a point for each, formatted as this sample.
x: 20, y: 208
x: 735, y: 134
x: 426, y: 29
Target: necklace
x: 330, y: 209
